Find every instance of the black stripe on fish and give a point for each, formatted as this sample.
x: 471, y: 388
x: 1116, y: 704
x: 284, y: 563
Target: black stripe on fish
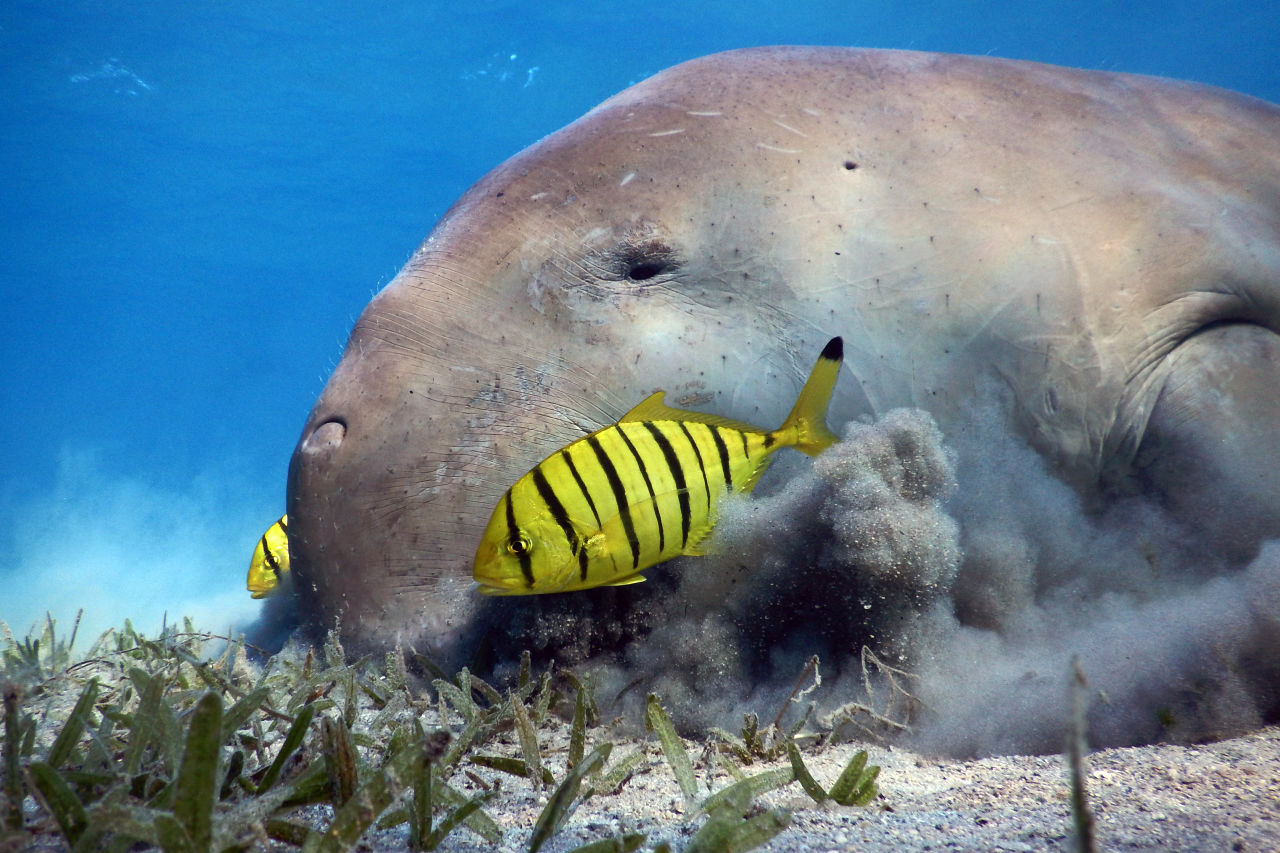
x: 702, y: 463
x: 677, y: 471
x: 573, y: 469
x: 270, y: 559
x: 513, y: 533
x: 619, y: 497
x: 558, y: 512
x: 653, y: 497
x: 723, y: 450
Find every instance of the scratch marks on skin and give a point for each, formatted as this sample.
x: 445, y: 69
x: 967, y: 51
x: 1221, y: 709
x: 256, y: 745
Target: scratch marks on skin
x: 412, y: 329
x: 987, y: 319
x: 703, y: 114
x: 1083, y: 199
x: 767, y: 147
x: 517, y: 404
x: 984, y: 196
x: 790, y: 129
x: 889, y: 285
x: 672, y: 132
x: 587, y: 274
x: 627, y: 178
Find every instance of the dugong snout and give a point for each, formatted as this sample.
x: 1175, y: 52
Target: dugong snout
x: 325, y: 438
x: 402, y: 460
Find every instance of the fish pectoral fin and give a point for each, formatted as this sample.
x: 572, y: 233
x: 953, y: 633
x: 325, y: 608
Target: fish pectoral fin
x: 627, y: 581
x: 596, y: 545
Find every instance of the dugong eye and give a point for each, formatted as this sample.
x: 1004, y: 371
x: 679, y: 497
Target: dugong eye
x: 644, y: 270
x: 640, y: 257
x: 519, y: 545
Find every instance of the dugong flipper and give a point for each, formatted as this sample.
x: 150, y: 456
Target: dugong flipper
x: 1105, y: 247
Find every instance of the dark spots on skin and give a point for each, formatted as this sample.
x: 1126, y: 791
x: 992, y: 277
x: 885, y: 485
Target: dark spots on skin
x: 849, y: 165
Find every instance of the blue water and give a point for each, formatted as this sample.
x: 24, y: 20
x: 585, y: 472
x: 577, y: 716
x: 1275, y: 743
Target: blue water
x: 198, y: 199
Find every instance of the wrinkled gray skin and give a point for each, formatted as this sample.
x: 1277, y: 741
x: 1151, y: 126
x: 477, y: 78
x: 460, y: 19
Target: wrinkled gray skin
x: 1106, y: 246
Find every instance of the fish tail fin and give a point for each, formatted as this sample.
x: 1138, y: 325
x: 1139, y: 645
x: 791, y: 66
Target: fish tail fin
x: 805, y: 428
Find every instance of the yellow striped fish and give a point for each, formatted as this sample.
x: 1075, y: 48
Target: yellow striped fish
x: 631, y: 495
x: 270, y: 560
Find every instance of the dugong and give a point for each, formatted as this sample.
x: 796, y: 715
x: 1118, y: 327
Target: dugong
x: 1104, y: 248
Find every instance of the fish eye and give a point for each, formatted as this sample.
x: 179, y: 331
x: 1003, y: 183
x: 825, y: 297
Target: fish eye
x: 519, y: 545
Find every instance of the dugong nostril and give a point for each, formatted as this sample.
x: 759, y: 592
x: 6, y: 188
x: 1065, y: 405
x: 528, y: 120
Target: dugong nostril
x: 325, y: 438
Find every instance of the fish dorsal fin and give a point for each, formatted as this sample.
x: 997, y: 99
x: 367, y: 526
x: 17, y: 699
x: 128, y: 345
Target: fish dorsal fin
x: 653, y: 409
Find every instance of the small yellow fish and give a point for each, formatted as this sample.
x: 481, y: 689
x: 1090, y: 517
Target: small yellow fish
x: 270, y: 560
x: 631, y: 495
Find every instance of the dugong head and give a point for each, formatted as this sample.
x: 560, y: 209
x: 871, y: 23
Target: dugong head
x: 612, y: 259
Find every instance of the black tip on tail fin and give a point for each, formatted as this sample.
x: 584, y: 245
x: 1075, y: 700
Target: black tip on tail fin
x: 834, y: 350
x: 806, y: 426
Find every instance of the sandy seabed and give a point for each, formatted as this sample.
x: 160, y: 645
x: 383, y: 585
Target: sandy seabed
x: 1219, y: 796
